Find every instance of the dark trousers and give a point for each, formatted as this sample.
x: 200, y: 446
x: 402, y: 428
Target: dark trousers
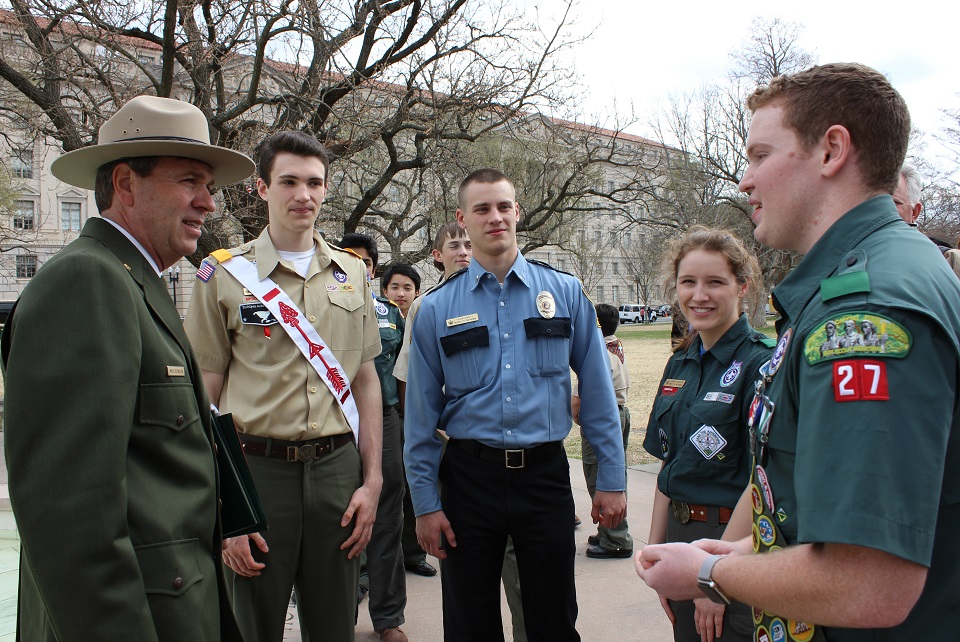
x: 737, y: 618
x: 485, y: 502
x: 388, y: 582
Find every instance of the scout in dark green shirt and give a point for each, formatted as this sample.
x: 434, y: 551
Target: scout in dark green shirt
x: 381, y: 572
x: 856, y: 496
x: 698, y: 423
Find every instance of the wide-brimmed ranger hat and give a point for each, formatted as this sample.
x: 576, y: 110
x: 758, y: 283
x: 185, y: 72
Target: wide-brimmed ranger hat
x: 152, y: 126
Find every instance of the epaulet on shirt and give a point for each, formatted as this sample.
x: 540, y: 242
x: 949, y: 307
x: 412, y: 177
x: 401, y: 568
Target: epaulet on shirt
x: 547, y: 265
x: 345, y: 249
x: 384, y: 299
x: 209, y: 265
x: 437, y: 287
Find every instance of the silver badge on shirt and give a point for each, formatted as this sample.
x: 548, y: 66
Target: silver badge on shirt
x: 546, y: 306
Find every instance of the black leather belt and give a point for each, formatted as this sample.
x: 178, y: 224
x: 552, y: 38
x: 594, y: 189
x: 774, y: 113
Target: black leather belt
x: 302, y: 451
x: 512, y: 458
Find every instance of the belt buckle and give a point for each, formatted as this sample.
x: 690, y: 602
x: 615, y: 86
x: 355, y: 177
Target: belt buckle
x: 305, y: 453
x: 681, y: 510
x: 523, y: 458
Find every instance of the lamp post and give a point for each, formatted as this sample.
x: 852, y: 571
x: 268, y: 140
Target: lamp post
x: 174, y: 275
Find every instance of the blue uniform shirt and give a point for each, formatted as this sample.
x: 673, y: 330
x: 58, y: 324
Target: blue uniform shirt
x: 485, y: 364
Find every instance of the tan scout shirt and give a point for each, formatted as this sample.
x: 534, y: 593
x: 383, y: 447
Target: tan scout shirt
x: 618, y: 372
x: 403, y: 357
x: 269, y: 386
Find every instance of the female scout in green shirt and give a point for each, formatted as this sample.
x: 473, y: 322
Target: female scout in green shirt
x: 698, y: 425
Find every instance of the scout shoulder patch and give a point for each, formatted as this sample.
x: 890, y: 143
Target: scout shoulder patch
x: 856, y: 334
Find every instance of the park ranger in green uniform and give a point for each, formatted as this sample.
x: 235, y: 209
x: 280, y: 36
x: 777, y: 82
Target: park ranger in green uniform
x: 855, y: 493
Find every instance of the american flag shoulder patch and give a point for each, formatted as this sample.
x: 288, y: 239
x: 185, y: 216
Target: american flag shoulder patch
x: 206, y: 270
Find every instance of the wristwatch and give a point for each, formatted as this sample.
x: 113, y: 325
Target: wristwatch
x: 708, y: 585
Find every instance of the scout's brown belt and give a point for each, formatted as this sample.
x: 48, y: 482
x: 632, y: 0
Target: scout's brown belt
x: 303, y: 451
x: 511, y: 458
x: 685, y: 512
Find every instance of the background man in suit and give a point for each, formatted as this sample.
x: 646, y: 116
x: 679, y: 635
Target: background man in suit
x: 107, y: 436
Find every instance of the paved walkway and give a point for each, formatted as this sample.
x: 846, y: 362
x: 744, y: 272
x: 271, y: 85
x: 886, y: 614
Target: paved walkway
x: 614, y: 603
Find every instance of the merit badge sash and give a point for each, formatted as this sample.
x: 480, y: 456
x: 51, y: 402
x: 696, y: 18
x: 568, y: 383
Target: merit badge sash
x: 303, y: 334
x: 767, y: 535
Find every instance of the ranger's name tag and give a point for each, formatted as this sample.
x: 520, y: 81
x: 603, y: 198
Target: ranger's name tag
x: 175, y: 371
x: 467, y: 318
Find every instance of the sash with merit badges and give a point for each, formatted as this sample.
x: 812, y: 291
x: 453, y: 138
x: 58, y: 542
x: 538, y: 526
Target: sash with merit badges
x: 767, y: 535
x: 281, y: 309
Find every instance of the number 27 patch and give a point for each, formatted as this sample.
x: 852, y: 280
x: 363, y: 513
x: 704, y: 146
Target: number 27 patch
x: 860, y: 380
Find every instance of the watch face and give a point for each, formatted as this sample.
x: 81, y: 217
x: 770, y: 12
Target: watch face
x: 711, y: 590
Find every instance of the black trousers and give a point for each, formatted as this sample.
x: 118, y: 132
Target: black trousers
x: 485, y: 502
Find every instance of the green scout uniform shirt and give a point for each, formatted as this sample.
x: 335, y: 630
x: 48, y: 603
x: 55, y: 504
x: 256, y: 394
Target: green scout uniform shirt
x: 863, y: 442
x: 390, y: 321
x: 698, y: 423
x: 269, y: 386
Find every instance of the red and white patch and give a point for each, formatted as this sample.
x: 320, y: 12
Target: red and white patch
x: 860, y: 380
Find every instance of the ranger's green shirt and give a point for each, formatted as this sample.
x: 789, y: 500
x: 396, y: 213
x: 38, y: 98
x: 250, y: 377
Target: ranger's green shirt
x: 864, y: 446
x: 390, y: 322
x: 698, y: 425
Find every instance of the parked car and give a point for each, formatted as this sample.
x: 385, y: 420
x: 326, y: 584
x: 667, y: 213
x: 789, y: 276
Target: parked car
x: 632, y: 313
x: 5, y: 307
x: 664, y: 311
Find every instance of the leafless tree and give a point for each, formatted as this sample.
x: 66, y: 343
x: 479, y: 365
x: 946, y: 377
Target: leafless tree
x: 407, y: 94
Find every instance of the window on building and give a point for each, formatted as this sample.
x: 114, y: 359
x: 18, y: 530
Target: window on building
x: 23, y: 163
x: 616, y: 293
x: 615, y: 267
x: 598, y: 237
x: 26, y: 266
x: 562, y: 264
x: 628, y: 237
x: 582, y: 236
x: 23, y: 215
x: 600, y: 294
x: 70, y: 215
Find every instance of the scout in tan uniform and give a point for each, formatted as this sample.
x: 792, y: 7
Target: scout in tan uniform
x: 319, y: 493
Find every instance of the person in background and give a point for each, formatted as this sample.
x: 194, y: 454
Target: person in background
x: 381, y: 570
x: 451, y: 252
x: 608, y: 543
x: 401, y: 284
x: 907, y: 195
x: 698, y: 424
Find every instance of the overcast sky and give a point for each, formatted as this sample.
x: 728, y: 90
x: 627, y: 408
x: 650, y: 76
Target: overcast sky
x: 641, y: 52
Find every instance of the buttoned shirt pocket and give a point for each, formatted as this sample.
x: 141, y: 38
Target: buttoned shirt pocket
x: 658, y: 434
x: 169, y: 568
x: 547, y: 346
x: 466, y: 352
x: 715, y: 438
x: 348, y: 301
x: 171, y: 405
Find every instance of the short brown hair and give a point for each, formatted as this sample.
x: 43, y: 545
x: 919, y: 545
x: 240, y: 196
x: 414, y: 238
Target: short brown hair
x: 855, y: 96
x: 142, y: 166
x: 292, y: 142
x: 451, y: 230
x: 742, y: 263
x: 484, y: 175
